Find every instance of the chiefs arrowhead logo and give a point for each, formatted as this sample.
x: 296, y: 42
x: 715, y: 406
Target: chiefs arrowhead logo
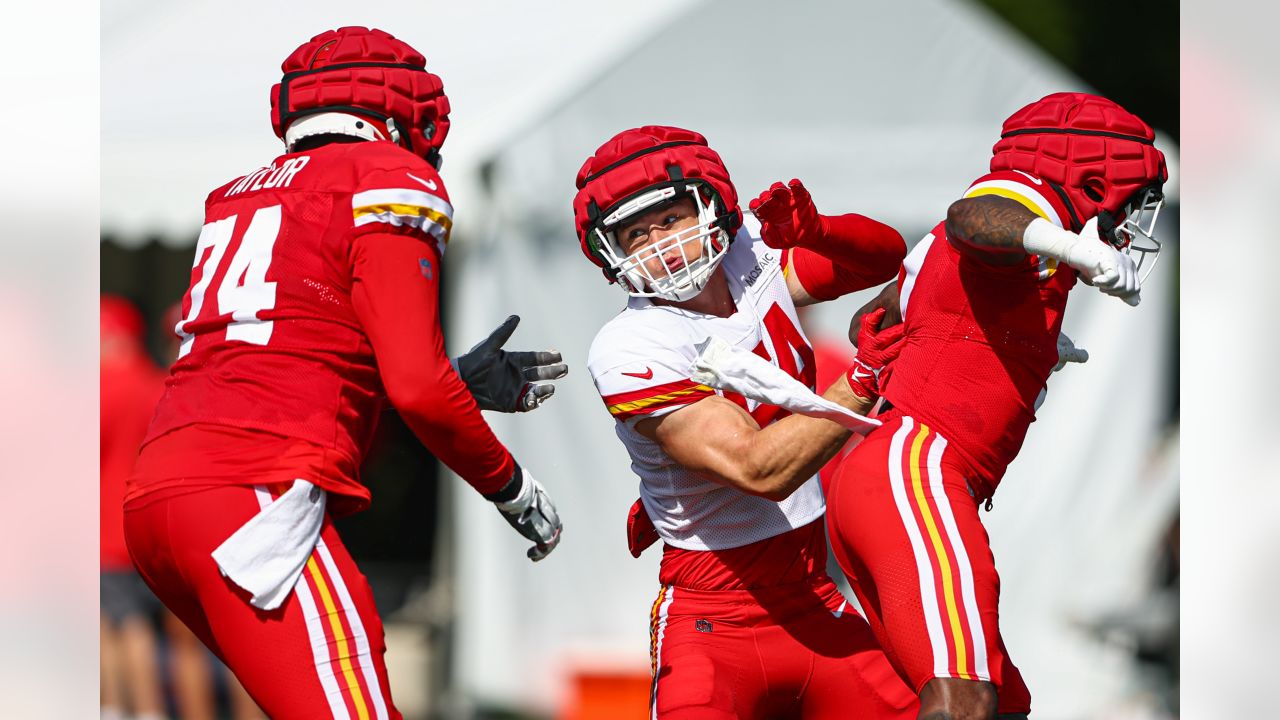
x: 647, y: 374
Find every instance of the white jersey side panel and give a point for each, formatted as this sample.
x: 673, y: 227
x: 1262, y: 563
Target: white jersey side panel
x: 640, y: 362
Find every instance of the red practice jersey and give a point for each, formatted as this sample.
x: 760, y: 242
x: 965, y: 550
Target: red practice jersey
x: 981, y: 339
x: 276, y: 377
x: 130, y: 386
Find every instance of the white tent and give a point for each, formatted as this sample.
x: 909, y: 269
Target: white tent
x: 185, y: 86
x: 886, y: 108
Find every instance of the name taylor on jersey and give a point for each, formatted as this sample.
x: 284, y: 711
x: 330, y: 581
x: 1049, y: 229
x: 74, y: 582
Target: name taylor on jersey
x: 270, y: 176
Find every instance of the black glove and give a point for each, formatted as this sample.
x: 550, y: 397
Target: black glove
x: 504, y: 381
x: 526, y: 507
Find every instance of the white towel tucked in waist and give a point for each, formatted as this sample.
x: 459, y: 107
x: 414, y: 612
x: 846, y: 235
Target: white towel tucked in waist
x: 724, y: 367
x: 267, y: 554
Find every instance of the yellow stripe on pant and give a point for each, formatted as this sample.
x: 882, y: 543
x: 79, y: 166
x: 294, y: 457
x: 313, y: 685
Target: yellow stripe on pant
x: 335, y: 623
x: 944, y: 564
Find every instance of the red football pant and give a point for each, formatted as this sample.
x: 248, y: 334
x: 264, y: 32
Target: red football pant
x: 320, y: 654
x: 791, y: 651
x: 905, y: 530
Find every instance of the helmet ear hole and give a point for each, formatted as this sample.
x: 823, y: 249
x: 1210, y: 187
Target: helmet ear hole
x: 1095, y: 189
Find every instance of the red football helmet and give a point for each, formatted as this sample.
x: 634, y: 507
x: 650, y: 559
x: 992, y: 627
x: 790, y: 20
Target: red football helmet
x: 637, y: 170
x: 1099, y: 158
x: 343, y: 79
x: 120, y: 319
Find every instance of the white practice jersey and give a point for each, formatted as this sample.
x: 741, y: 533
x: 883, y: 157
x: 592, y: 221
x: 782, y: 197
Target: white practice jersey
x: 640, y: 362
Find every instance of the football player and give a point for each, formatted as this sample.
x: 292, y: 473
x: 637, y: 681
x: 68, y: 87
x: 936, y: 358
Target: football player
x: 746, y: 624
x: 130, y: 385
x: 1075, y: 185
x: 314, y: 295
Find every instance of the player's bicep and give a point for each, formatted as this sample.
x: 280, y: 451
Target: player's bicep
x: 988, y: 228
x: 799, y: 295
x: 711, y: 437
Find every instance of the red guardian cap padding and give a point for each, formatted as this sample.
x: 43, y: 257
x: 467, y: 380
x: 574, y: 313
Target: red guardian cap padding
x: 1094, y: 152
x: 637, y: 160
x: 366, y: 72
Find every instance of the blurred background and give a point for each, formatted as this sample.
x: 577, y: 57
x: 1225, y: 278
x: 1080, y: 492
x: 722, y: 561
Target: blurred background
x: 885, y: 109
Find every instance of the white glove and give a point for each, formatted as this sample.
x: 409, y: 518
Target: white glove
x: 725, y: 367
x: 1069, y: 353
x: 528, y: 509
x: 1099, y: 264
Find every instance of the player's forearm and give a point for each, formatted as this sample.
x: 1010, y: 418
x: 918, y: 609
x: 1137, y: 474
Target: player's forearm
x: 779, y: 458
x: 860, y: 244
x: 856, y: 253
x: 887, y: 298
x: 989, y: 224
x: 447, y: 422
x: 785, y: 455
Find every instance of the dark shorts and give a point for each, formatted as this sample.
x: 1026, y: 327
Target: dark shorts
x: 125, y: 595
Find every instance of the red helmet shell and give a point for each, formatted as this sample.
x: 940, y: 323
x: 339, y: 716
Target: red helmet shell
x: 364, y: 71
x: 1094, y: 152
x: 636, y: 160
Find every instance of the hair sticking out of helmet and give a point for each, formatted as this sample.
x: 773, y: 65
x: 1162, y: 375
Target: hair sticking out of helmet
x: 638, y: 170
x: 1099, y: 159
x: 363, y: 83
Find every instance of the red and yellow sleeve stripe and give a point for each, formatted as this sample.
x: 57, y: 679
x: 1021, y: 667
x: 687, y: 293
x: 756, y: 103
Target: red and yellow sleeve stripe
x: 644, y: 402
x: 1031, y: 199
x: 404, y: 208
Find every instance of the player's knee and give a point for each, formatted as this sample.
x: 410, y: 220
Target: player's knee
x: 954, y: 699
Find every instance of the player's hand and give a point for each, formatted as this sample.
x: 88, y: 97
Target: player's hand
x: 877, y: 349
x: 1069, y: 353
x: 528, y: 509
x: 787, y: 216
x: 1104, y: 267
x: 887, y: 299
x: 505, y: 381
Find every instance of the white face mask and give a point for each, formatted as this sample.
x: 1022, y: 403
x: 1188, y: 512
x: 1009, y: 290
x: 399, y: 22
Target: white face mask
x: 686, y: 281
x: 1136, y: 232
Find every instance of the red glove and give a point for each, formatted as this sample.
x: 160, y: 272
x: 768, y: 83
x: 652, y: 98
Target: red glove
x: 640, y: 530
x: 788, y: 217
x: 876, y: 350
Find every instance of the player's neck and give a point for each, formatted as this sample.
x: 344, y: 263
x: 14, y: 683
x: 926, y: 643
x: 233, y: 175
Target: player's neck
x: 715, y: 299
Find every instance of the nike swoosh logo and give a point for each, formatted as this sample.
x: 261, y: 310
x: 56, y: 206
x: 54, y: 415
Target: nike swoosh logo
x: 858, y: 374
x: 431, y: 184
x: 647, y: 374
x: 1032, y: 178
